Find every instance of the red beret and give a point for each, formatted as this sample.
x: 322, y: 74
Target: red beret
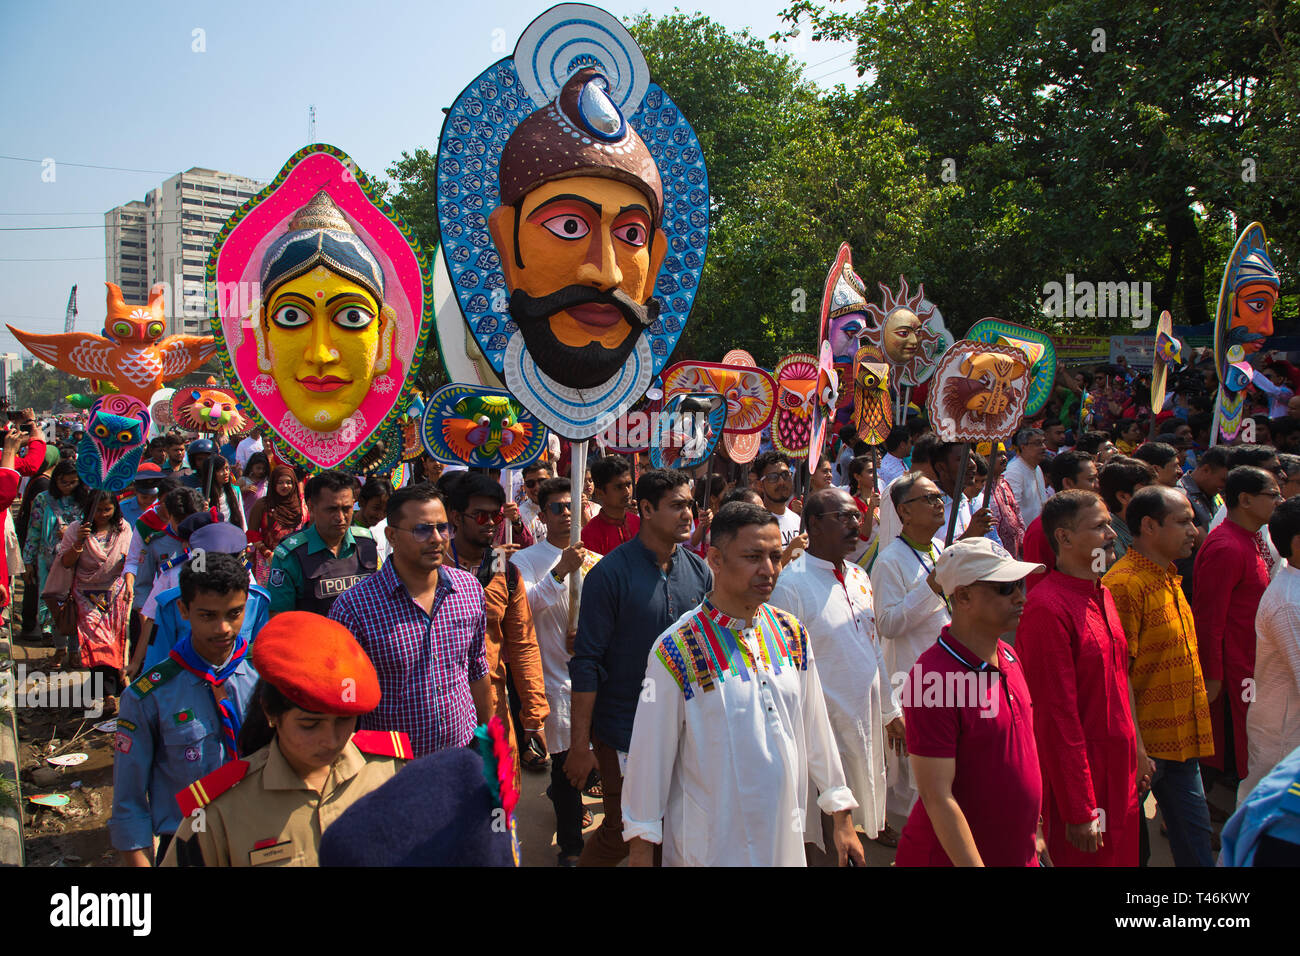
x: 317, y: 664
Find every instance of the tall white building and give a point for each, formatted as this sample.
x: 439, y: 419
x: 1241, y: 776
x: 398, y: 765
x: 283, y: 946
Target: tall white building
x: 179, y: 221
x: 127, y: 262
x: 10, y: 362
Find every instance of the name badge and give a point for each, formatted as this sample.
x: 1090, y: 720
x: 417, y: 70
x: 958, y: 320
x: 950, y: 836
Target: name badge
x: 276, y: 853
x: 332, y: 587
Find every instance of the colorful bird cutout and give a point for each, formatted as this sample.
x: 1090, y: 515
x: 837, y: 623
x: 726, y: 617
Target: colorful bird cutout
x: 480, y: 427
x: 131, y: 353
x: 796, y: 382
x: 871, y: 404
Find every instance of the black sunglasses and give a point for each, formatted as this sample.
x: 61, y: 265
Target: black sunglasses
x: 559, y: 507
x: 424, y: 532
x: 1006, y: 588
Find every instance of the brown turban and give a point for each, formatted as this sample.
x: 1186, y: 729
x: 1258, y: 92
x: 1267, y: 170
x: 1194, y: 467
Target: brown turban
x: 581, y: 133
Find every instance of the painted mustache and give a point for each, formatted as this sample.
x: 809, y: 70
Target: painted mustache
x: 526, y: 308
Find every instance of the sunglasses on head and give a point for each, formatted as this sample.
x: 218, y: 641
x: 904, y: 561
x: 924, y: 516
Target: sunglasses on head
x: 424, y: 532
x: 559, y: 507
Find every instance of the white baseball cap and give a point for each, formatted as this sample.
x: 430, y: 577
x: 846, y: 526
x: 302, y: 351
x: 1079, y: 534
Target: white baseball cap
x: 979, y: 559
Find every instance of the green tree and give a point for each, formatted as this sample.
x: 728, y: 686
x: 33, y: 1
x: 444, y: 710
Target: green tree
x: 1107, y: 140
x: 412, y: 192
x: 44, y: 388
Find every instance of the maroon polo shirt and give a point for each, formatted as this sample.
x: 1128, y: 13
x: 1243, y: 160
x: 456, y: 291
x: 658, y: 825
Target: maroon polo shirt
x: 949, y: 710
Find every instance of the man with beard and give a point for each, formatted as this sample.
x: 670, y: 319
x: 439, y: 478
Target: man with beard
x: 580, y: 239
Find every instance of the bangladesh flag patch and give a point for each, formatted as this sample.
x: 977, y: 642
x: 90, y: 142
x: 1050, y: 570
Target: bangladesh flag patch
x: 183, y: 717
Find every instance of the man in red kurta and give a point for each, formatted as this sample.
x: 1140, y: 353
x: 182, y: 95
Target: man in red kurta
x: 1069, y: 469
x: 1075, y: 655
x: 1229, y: 578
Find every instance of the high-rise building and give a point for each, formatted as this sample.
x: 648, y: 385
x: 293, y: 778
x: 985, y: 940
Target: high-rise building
x: 125, y: 249
x: 10, y: 362
x: 179, y: 222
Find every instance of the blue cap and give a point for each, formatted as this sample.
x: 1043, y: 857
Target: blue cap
x: 438, y: 811
x: 219, y: 537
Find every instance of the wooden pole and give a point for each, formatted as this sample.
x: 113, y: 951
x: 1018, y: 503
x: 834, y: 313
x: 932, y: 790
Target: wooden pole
x: 577, y: 477
x: 507, y: 479
x: 957, y: 493
x: 995, y: 472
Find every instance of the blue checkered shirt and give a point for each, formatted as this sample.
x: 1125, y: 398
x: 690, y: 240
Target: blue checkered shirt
x: 425, y: 664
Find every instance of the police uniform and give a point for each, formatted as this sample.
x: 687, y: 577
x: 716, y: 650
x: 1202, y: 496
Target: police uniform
x: 307, y: 576
x: 169, y: 734
x: 259, y: 812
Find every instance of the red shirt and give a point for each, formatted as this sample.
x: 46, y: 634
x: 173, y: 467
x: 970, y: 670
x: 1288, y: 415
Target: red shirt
x: 1075, y: 655
x: 998, y: 784
x: 1038, y: 551
x: 1230, y: 576
x: 603, y: 536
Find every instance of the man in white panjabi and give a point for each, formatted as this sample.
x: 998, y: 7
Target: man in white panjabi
x: 1272, y: 730
x: 831, y: 597
x: 544, y: 569
x: 731, y: 725
x: 910, y: 611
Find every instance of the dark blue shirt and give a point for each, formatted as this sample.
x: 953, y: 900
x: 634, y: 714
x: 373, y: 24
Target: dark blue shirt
x: 627, y: 602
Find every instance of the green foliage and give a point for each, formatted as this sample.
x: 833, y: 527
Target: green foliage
x: 43, y: 388
x: 1107, y: 140
x: 1122, y: 163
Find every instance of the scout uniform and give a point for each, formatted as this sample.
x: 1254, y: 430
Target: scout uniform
x: 306, y: 576
x: 169, y: 734
x: 259, y: 811
x: 170, y: 627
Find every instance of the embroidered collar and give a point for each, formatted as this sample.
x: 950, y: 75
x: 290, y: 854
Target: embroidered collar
x: 724, y: 620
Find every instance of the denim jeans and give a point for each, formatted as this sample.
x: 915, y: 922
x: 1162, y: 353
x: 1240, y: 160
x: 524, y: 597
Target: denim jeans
x: 568, y: 808
x: 1178, y: 790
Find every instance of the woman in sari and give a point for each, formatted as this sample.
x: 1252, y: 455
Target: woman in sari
x: 53, y: 510
x: 275, y: 516
x: 92, y: 555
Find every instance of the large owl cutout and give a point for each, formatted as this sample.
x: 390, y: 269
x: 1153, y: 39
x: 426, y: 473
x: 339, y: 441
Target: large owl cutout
x: 796, y: 383
x: 109, y: 454
x: 871, y: 405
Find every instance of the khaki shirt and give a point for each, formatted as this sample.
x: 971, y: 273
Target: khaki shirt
x: 271, y: 817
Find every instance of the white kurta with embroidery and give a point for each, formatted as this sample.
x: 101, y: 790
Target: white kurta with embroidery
x: 729, y: 730
x: 841, y: 624
x: 909, y: 617
x: 1273, y: 720
x: 548, y: 600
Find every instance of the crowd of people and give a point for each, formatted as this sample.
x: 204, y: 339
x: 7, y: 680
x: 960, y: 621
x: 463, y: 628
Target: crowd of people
x: 1011, y: 649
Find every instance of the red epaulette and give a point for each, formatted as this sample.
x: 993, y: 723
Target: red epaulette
x: 384, y: 743
x: 206, y: 789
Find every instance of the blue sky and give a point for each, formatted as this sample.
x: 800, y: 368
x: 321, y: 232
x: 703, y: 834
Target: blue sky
x: 100, y: 85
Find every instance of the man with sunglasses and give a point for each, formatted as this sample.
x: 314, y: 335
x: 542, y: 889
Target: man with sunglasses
x: 970, y: 722
x: 530, y: 512
x: 1075, y: 655
x: 476, y: 507
x: 910, y: 607
x: 832, y: 598
x: 773, y: 479
x: 1265, y: 457
x: 423, y: 626
x: 1231, y: 577
x: 545, y: 568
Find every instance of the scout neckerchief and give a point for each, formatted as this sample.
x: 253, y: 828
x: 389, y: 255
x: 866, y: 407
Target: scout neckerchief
x: 187, y: 657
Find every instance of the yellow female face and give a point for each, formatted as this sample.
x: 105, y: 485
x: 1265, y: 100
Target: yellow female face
x: 322, y: 337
